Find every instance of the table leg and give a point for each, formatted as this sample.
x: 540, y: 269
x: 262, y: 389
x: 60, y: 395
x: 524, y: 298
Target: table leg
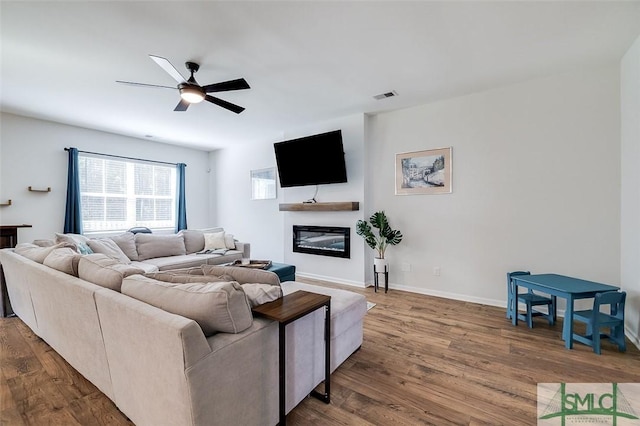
x: 325, y: 397
x: 514, y: 307
x: 282, y: 359
x: 327, y: 354
x: 386, y: 279
x: 567, y: 328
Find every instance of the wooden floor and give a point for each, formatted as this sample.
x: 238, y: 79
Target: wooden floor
x: 424, y: 360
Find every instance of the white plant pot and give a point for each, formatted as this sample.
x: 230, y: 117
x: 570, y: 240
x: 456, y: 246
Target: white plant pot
x: 380, y: 264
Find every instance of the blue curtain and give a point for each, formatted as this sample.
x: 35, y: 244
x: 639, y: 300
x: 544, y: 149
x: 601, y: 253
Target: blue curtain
x: 181, y: 222
x: 73, y: 215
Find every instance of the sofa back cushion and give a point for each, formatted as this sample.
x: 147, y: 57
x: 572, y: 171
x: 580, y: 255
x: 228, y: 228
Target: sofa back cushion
x: 63, y: 259
x: 127, y: 244
x: 37, y: 253
x: 181, y: 277
x: 105, y: 271
x: 151, y: 245
x: 110, y: 248
x: 193, y: 240
x: 216, y: 307
x: 243, y: 275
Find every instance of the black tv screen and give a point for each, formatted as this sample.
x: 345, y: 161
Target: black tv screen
x: 311, y: 160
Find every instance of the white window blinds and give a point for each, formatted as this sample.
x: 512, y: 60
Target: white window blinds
x: 118, y: 194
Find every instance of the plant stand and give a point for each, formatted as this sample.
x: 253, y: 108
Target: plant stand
x: 383, y: 269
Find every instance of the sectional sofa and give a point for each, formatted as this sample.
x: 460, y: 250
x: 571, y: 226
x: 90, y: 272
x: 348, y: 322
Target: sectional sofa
x: 157, y: 359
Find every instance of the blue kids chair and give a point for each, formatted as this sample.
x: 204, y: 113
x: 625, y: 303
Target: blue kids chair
x: 595, y: 320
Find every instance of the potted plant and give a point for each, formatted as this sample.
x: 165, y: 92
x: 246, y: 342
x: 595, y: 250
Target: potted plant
x: 385, y: 236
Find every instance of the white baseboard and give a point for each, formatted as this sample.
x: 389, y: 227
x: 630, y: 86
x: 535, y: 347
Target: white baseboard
x: 331, y: 279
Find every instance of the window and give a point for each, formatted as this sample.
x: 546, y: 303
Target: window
x: 119, y: 194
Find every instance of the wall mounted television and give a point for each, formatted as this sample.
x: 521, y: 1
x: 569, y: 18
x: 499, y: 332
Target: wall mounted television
x: 311, y: 160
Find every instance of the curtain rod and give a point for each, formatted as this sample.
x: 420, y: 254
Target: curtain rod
x: 126, y: 158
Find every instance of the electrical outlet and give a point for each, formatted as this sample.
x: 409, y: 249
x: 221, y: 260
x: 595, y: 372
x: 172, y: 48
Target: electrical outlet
x: 406, y: 267
x: 436, y: 271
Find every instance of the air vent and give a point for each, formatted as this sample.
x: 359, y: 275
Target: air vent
x: 386, y: 95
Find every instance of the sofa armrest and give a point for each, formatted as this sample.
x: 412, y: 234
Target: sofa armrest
x: 245, y: 248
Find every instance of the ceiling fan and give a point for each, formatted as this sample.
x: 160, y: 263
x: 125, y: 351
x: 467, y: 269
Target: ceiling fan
x: 190, y: 91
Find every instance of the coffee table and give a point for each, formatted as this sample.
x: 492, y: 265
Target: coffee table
x: 286, y: 310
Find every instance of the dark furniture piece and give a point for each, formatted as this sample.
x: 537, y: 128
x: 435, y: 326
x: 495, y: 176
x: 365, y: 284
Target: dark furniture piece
x: 8, y: 239
x: 529, y: 299
x: 140, y: 230
x: 286, y: 310
x: 285, y: 272
x: 9, y: 235
x: 595, y: 320
x: 561, y: 286
x: 386, y: 278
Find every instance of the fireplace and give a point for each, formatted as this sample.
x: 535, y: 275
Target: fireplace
x: 322, y: 240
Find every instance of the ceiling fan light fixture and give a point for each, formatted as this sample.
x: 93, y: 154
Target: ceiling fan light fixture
x: 191, y: 94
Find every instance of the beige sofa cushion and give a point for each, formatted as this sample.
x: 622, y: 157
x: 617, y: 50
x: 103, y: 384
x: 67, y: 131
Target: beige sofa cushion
x: 37, y: 253
x: 150, y: 246
x: 127, y: 244
x: 110, y: 248
x: 257, y: 294
x: 193, y: 240
x: 77, y: 240
x: 243, y: 275
x: 216, y: 307
x: 105, y: 271
x: 64, y: 259
x: 44, y: 243
x: 186, y: 277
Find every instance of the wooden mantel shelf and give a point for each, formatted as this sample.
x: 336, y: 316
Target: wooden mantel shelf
x: 321, y: 207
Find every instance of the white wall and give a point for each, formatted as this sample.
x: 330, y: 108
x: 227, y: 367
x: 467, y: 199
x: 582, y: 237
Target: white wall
x: 536, y: 186
x: 270, y: 231
x: 630, y: 214
x: 32, y: 154
x: 255, y: 221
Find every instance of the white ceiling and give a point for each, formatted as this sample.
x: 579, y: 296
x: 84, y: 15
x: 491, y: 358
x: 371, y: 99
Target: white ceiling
x: 306, y: 61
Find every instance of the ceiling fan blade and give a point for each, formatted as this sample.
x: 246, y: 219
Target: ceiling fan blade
x: 182, y: 105
x: 224, y: 86
x: 170, y: 69
x: 155, y: 86
x: 224, y: 104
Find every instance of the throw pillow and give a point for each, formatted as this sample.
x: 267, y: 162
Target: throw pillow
x: 127, y: 244
x: 214, y: 240
x: 78, y: 240
x: 150, y: 246
x: 229, y: 242
x: 216, y: 307
x: 110, y: 248
x: 37, y: 253
x: 258, y: 294
x: 105, y: 271
x: 63, y: 259
x: 243, y: 275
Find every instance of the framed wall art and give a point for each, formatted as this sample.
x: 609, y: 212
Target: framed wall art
x: 424, y: 172
x: 263, y: 184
